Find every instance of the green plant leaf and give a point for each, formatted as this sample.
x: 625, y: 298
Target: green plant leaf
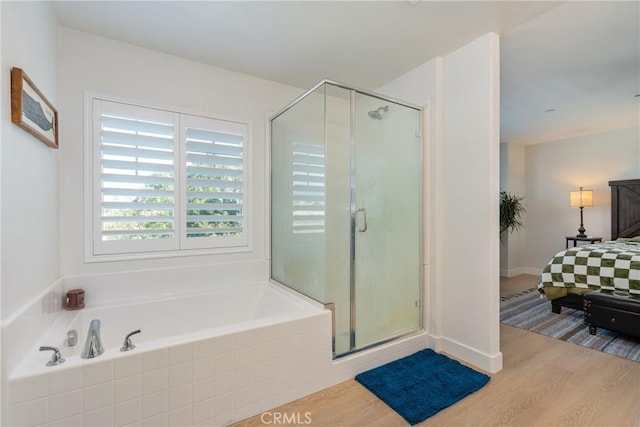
x: 511, y: 211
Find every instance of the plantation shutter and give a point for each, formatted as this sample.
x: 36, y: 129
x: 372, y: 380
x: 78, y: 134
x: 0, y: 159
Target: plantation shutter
x: 215, y: 183
x: 308, y: 188
x: 136, y: 176
x: 166, y: 181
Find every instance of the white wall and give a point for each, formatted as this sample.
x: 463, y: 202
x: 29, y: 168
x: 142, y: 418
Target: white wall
x: 96, y: 64
x: 461, y: 93
x: 2, y: 92
x: 553, y: 169
x: 418, y: 86
x: 470, y: 204
x: 512, y: 180
x: 28, y: 169
x: 30, y: 185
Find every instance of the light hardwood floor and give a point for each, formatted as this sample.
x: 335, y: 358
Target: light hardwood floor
x: 544, y: 382
x: 514, y: 285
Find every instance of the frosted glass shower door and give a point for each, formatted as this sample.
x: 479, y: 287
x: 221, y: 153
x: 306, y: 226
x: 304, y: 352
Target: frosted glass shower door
x: 346, y: 209
x: 386, y: 254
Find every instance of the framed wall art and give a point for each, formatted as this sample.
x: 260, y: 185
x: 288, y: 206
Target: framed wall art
x: 31, y: 110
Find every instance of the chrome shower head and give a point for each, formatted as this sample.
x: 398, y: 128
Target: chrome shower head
x: 377, y: 114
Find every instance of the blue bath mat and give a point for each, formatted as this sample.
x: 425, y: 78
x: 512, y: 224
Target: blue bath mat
x: 420, y: 385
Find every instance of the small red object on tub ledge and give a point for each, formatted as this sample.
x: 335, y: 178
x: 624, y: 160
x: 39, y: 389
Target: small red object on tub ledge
x: 75, y: 299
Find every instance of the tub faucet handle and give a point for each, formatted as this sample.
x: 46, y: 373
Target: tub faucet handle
x: 127, y: 345
x: 56, y: 357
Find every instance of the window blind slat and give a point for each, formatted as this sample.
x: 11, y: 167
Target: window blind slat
x: 303, y: 169
x: 137, y: 166
x: 214, y: 172
x: 112, y: 150
x: 136, y: 205
x: 301, y: 189
x: 139, y: 232
x: 317, y: 225
x: 167, y: 219
x: 139, y: 141
x: 137, y: 179
x: 308, y: 179
x: 125, y: 192
x: 213, y: 183
x: 208, y: 195
x: 306, y: 160
x: 214, y: 218
x: 214, y: 206
x: 306, y: 199
x: 218, y: 160
x: 213, y: 231
x: 213, y: 136
x: 132, y: 125
x: 213, y: 148
x: 307, y: 210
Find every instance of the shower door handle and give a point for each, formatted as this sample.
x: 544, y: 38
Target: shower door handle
x: 364, y: 213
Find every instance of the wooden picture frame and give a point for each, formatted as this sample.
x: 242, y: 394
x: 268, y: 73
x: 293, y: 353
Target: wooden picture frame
x: 31, y: 110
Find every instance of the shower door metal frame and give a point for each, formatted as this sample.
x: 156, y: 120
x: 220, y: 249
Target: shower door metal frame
x: 353, y: 210
x: 352, y: 225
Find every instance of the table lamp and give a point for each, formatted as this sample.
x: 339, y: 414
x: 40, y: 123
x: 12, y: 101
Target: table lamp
x: 580, y: 199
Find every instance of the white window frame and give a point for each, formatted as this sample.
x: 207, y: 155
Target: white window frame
x: 95, y: 249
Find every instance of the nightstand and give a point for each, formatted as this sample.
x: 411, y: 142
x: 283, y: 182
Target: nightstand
x: 581, y: 239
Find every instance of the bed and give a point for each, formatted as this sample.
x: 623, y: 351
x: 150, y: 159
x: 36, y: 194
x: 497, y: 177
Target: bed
x: 613, y: 265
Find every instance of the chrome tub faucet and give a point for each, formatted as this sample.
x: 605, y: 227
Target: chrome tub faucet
x: 93, y: 345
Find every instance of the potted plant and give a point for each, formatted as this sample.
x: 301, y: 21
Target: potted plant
x: 511, y: 210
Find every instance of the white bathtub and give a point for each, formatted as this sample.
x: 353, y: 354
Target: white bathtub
x: 202, y: 358
x: 170, y: 320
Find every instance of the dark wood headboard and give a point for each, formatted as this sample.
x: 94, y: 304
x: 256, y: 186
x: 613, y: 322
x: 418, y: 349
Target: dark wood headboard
x: 625, y: 208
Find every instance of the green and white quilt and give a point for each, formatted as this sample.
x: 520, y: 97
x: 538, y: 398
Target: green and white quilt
x: 609, y: 266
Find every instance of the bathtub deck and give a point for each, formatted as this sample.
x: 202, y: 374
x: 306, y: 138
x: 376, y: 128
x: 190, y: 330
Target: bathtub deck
x: 529, y: 391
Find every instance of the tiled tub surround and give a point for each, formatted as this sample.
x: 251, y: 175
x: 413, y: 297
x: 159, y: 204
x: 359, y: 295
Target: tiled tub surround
x: 210, y: 381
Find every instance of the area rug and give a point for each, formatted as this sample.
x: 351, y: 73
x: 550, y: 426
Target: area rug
x: 420, y: 385
x: 529, y: 311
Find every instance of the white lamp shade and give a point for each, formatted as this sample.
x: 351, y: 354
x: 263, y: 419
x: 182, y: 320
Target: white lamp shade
x: 581, y: 198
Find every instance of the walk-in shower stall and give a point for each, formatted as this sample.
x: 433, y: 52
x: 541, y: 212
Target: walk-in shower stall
x: 346, y: 198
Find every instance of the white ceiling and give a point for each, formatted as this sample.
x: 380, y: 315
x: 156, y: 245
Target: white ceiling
x: 580, y: 58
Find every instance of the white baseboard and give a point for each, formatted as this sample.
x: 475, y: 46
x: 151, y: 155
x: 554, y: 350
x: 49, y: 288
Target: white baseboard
x: 520, y: 270
x: 486, y: 362
x: 535, y: 271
